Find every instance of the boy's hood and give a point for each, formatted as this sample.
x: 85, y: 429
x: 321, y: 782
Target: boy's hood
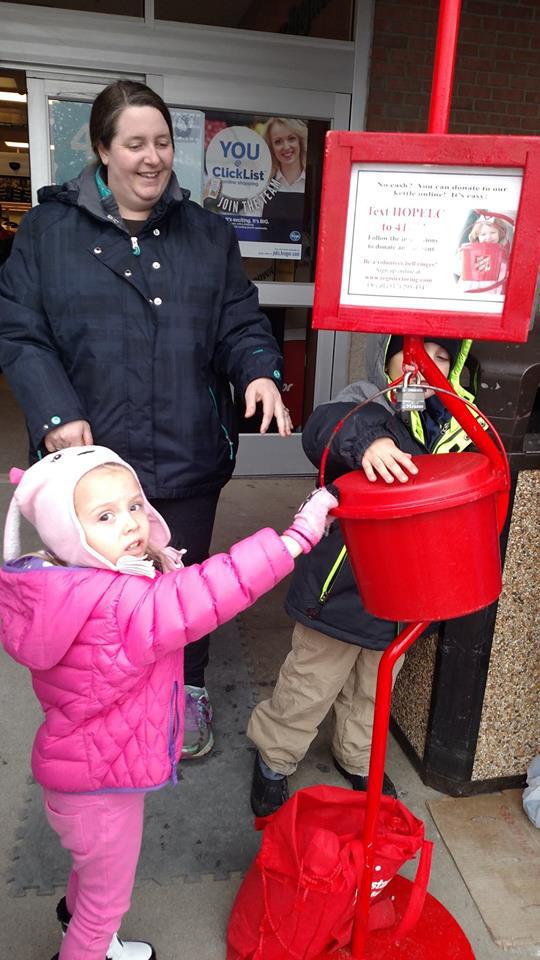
x: 376, y: 359
x: 43, y: 610
x: 377, y: 345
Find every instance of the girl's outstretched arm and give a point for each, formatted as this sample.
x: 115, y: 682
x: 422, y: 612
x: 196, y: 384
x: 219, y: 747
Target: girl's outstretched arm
x: 179, y: 607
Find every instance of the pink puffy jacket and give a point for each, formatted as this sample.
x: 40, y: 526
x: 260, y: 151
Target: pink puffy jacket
x: 105, y: 652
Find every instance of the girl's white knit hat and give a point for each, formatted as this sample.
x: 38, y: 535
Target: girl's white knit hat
x: 44, y: 496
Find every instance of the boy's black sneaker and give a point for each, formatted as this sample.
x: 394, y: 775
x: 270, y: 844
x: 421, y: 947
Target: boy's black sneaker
x: 361, y: 783
x: 267, y: 795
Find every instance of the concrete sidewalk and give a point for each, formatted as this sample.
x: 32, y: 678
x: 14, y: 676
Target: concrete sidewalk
x: 188, y: 919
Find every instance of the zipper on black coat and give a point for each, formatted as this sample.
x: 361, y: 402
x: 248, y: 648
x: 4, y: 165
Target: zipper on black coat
x: 329, y: 583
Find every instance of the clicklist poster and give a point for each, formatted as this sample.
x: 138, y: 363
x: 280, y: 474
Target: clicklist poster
x: 255, y: 178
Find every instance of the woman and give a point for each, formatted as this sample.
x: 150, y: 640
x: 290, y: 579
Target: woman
x: 284, y: 212
x: 287, y: 140
x: 125, y: 316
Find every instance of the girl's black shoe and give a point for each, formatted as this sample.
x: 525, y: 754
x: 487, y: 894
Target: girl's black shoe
x: 118, y: 949
x: 62, y: 915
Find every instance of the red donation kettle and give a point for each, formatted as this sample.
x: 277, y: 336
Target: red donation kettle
x: 427, y: 549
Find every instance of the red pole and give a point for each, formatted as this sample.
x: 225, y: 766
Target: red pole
x: 443, y: 70
x: 413, y: 348
x: 381, y: 721
x: 443, y: 74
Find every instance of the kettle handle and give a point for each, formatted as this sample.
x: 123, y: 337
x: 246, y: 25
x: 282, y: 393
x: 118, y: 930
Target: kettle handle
x: 494, y: 451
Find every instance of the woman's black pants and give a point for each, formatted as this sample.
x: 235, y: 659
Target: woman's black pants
x: 191, y: 522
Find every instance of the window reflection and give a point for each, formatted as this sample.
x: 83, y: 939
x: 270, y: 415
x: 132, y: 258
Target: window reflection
x: 291, y: 327
x: 15, y: 198
x: 327, y: 19
x: 123, y: 8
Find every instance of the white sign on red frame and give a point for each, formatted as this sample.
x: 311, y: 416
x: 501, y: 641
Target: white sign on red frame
x: 422, y: 233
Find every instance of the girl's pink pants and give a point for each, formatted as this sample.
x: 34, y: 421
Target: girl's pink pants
x: 103, y: 833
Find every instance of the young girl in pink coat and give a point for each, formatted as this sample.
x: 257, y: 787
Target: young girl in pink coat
x: 100, y: 619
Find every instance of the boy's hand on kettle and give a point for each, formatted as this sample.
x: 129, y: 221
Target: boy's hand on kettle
x: 74, y: 433
x: 384, y: 459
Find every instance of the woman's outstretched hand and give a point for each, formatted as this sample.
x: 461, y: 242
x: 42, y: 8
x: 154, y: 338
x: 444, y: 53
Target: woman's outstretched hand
x: 75, y: 433
x: 311, y: 521
x: 264, y: 390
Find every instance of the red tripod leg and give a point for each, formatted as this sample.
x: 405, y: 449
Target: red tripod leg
x: 381, y: 719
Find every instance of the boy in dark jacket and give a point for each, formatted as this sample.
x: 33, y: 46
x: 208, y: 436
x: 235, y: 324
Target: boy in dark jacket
x: 336, y: 644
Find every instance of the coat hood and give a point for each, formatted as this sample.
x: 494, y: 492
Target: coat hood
x: 376, y: 353
x: 88, y: 191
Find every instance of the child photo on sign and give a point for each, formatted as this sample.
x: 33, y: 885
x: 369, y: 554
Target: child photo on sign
x: 484, y: 252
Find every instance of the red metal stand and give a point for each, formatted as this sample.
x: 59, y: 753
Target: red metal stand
x: 376, y: 775
x: 437, y: 934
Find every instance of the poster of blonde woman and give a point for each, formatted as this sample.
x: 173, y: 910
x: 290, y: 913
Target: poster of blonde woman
x: 255, y: 173
x: 287, y: 142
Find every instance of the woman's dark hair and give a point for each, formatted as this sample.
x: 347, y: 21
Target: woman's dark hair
x: 109, y: 104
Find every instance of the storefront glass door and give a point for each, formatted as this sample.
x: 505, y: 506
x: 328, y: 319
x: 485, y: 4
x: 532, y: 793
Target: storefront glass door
x: 58, y: 115
x: 254, y: 156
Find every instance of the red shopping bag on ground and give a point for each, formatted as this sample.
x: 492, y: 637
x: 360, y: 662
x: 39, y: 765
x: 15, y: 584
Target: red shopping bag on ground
x: 298, y: 899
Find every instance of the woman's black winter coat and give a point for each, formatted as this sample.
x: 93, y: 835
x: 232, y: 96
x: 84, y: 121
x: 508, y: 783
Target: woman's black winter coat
x: 145, y: 347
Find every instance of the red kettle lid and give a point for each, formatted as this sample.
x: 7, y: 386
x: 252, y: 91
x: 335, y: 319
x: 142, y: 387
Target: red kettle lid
x: 443, y: 481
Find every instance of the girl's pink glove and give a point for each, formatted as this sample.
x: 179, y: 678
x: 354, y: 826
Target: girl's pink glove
x: 311, y: 521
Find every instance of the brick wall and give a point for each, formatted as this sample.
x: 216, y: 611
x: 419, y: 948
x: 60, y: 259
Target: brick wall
x: 497, y: 78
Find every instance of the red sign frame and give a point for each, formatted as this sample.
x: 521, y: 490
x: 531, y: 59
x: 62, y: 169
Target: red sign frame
x: 343, y: 149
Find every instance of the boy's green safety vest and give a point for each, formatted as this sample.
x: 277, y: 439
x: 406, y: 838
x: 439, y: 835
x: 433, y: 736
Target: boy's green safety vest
x: 453, y: 438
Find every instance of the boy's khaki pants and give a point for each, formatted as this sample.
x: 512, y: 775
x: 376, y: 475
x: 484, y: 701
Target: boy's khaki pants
x: 319, y: 672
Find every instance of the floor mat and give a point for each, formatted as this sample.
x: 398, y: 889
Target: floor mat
x: 183, y: 834
x: 497, y: 851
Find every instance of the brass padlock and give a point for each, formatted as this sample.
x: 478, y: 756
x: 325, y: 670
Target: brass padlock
x: 410, y: 396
